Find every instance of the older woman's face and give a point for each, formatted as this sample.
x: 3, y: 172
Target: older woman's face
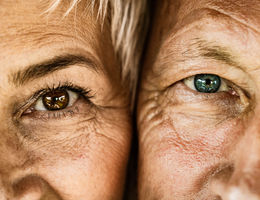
x: 65, y: 127
x: 198, y: 109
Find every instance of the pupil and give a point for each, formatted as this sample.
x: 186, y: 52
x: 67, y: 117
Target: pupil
x: 56, y: 100
x: 207, y: 83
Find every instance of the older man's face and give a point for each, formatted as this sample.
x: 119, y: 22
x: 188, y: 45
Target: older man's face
x: 199, y: 110
x: 65, y: 128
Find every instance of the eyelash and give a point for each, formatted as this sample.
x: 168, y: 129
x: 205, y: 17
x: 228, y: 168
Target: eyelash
x: 82, y: 92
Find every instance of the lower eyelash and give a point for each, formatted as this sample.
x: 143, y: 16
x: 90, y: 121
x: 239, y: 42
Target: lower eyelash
x: 60, y: 114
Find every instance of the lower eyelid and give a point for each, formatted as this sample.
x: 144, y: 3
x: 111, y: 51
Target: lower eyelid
x: 45, y: 116
x: 228, y: 90
x: 52, y: 115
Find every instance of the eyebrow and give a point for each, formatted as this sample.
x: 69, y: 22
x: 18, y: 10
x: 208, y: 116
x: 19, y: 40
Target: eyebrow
x: 216, y: 52
x: 49, y: 66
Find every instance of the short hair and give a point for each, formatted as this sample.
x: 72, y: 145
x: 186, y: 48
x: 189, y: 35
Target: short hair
x: 129, y: 23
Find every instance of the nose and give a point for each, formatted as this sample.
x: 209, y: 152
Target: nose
x: 5, y: 193
x: 242, y: 180
x: 28, y: 188
x: 18, y: 178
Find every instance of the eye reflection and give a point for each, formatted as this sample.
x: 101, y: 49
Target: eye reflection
x: 206, y: 83
x: 56, y: 100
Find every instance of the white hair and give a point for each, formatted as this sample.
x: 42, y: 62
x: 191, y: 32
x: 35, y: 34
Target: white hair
x: 128, y: 31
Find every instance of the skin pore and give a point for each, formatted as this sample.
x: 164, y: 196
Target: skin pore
x: 81, y: 150
x: 195, y: 145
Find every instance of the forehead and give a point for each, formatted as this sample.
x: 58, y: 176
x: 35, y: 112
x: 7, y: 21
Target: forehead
x: 179, y: 12
x: 231, y: 24
x: 243, y: 10
x: 30, y: 20
x: 239, y: 8
x: 28, y: 34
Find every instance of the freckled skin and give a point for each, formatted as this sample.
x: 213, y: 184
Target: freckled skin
x: 198, y: 146
x: 80, y: 152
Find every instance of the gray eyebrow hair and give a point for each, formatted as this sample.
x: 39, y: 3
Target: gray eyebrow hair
x: 216, y: 52
x: 49, y: 66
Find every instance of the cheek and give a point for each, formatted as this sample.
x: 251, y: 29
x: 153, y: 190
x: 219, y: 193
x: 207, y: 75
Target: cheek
x: 182, y: 162
x: 182, y: 145
x: 77, y: 136
x: 87, y: 160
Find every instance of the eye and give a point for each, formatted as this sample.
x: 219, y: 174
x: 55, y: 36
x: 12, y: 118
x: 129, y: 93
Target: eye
x: 57, y: 99
x: 206, y: 83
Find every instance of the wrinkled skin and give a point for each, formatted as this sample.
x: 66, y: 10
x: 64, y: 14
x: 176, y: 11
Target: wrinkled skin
x: 79, y: 152
x: 196, y: 145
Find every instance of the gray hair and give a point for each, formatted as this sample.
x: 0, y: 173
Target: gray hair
x: 129, y: 21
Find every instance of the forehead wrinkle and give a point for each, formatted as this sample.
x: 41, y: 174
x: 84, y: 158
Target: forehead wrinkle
x: 39, y: 27
x: 237, y: 10
x: 236, y: 17
x: 43, y: 34
x: 201, y: 47
x: 212, y: 9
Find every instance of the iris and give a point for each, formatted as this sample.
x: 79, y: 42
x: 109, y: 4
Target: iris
x: 56, y: 100
x: 207, y: 83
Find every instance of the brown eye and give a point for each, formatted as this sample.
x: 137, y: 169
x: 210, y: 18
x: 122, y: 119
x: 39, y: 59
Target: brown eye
x: 56, y: 100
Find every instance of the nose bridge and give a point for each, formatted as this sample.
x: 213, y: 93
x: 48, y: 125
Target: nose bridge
x: 19, y: 178
x: 12, y: 154
x: 243, y: 182
x: 6, y: 166
x: 8, y: 157
x: 11, y: 158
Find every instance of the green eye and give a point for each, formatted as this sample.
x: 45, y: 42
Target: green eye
x: 207, y: 83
